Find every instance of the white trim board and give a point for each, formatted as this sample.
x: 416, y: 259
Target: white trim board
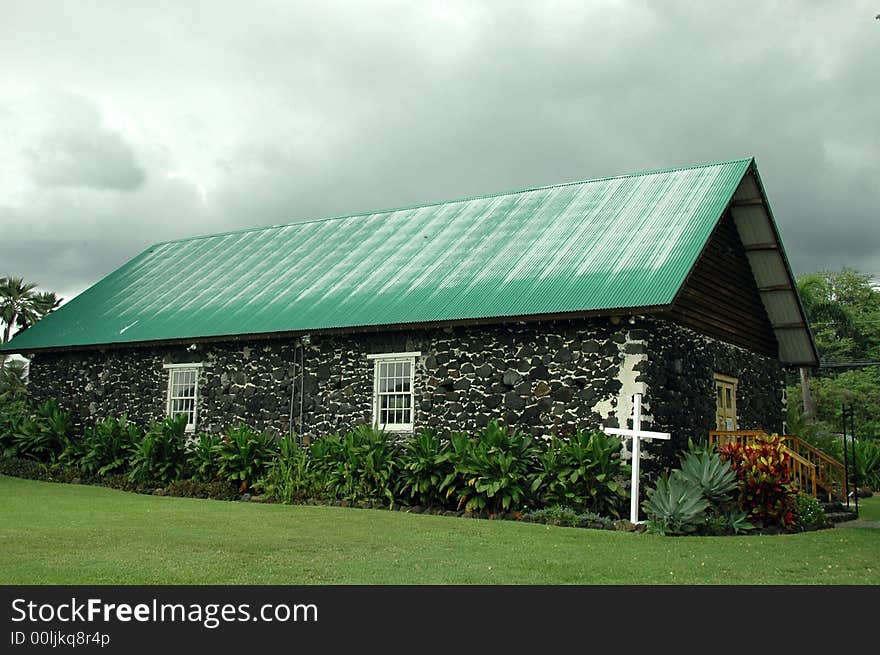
x: 395, y: 355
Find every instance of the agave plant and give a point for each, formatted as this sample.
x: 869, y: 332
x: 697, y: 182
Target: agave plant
x: 675, y: 506
x: 706, y: 470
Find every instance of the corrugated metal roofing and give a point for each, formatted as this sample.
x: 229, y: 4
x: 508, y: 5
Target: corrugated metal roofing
x: 603, y: 244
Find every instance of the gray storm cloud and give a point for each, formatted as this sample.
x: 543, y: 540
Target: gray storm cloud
x: 97, y: 158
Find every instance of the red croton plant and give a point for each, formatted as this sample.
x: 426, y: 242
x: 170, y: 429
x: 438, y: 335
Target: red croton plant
x: 763, y: 473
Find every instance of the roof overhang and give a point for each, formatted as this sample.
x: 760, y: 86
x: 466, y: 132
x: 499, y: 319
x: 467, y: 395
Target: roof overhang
x: 769, y: 263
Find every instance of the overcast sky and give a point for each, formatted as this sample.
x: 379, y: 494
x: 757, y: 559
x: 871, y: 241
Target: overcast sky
x: 127, y: 123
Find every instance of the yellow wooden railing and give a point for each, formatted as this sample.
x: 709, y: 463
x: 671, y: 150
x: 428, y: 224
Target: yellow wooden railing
x: 814, y: 472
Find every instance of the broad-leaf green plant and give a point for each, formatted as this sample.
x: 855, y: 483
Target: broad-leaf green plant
x: 492, y: 470
x: 244, y: 455
x: 583, y: 471
x: 204, y: 458
x: 160, y: 457
x: 358, y: 466
x: 423, y: 467
x: 675, y: 506
x: 105, y: 448
x: 289, y: 477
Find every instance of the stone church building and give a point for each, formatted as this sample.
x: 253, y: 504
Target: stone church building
x: 545, y: 308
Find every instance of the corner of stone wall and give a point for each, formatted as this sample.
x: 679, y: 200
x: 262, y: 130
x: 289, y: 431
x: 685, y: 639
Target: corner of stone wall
x: 616, y: 411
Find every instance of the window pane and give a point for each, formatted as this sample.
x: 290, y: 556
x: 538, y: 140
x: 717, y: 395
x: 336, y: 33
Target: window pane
x: 182, y: 390
x: 729, y: 398
x: 393, y: 400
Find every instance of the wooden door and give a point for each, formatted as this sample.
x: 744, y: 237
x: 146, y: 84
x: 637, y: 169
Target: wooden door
x: 725, y: 402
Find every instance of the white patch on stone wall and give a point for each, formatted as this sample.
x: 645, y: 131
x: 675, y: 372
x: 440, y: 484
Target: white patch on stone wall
x: 622, y: 405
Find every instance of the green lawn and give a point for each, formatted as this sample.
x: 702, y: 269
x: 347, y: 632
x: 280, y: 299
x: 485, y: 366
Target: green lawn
x: 869, y: 508
x: 68, y: 534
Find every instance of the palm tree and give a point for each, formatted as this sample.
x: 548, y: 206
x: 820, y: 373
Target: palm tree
x: 21, y: 306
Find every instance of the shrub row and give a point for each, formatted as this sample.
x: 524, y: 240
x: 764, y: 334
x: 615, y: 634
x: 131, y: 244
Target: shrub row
x: 499, y: 471
x: 496, y: 471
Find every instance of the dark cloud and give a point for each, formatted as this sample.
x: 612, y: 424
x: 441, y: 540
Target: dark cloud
x: 98, y: 159
x: 75, y: 150
x: 283, y: 111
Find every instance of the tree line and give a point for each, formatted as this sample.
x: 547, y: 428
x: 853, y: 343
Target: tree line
x: 843, y: 310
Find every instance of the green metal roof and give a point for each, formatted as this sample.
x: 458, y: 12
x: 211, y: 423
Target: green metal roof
x: 604, y: 244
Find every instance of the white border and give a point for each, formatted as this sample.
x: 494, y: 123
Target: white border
x: 395, y: 357
x: 412, y: 355
x: 190, y: 427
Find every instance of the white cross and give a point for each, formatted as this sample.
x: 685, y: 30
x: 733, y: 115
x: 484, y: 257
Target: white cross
x: 637, y: 435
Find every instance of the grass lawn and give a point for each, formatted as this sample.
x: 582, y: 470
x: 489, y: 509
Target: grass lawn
x: 69, y: 534
x: 869, y: 508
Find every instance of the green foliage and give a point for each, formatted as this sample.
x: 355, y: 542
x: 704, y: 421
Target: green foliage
x: 67, y: 474
x: 843, y: 309
x: 105, y: 448
x: 844, y: 312
x: 197, y: 489
x: 820, y: 435
x: 810, y: 512
x: 21, y: 305
x: 868, y: 463
x: 763, y: 474
x: 359, y: 466
x: 244, y: 454
x: 13, y: 385
x: 728, y: 521
x: 45, y: 433
x: 567, y: 516
x: 23, y: 468
x: 491, y: 472
x: 711, y: 474
x: 857, y: 387
x: 204, y: 457
x: 582, y: 471
x: 160, y: 457
x: 424, y: 464
x: 290, y: 477
x: 14, y: 421
x: 33, y: 470
x: 675, y: 506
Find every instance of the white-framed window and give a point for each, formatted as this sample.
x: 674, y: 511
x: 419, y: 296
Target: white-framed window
x: 393, y: 400
x: 183, y: 392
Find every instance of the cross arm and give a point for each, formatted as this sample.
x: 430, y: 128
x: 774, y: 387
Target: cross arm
x: 641, y: 434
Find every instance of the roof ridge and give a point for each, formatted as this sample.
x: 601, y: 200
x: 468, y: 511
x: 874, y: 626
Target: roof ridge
x: 450, y: 202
